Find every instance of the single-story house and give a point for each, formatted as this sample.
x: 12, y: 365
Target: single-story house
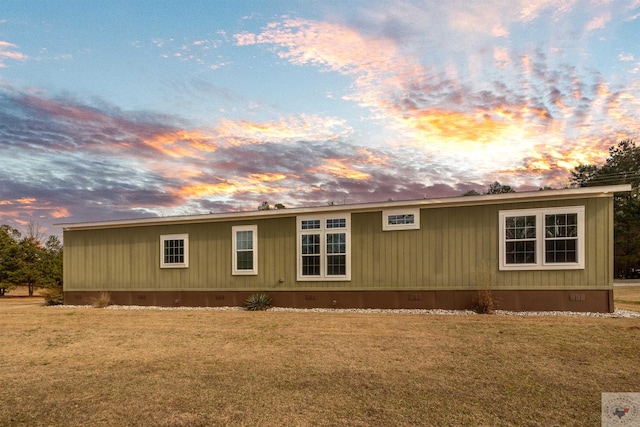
x: 539, y: 250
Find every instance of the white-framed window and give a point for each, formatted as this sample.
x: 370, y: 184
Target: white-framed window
x: 174, y: 251
x: 245, y: 249
x: 401, y: 219
x: 542, y: 239
x: 324, y: 247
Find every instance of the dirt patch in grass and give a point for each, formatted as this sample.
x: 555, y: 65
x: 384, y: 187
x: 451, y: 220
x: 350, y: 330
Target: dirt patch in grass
x: 101, y: 367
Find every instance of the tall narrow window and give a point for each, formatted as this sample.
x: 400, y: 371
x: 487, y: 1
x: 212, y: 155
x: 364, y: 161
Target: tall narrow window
x: 311, y: 255
x: 174, y: 251
x: 542, y: 239
x: 561, y: 238
x: 520, y: 236
x: 245, y: 249
x: 323, y: 247
x: 336, y: 254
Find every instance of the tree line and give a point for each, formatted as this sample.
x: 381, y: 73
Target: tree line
x: 621, y: 167
x: 29, y: 260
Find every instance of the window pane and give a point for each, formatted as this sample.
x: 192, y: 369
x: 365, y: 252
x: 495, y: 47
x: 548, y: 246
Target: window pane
x: 337, y: 223
x: 336, y: 243
x: 522, y: 252
x: 401, y: 219
x: 174, y: 251
x: 520, y: 227
x: 310, y: 224
x: 244, y: 260
x: 244, y: 240
x: 310, y: 244
x: 336, y: 265
x: 311, y: 265
x: 560, y: 251
x: 561, y: 225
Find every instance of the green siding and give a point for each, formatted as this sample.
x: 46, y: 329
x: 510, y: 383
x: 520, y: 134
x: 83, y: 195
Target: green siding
x: 129, y: 258
x: 455, y: 248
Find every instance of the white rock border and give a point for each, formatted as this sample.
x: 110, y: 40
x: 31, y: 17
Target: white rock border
x: 618, y: 313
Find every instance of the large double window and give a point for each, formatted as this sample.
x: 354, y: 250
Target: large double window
x: 324, y: 247
x: 542, y: 239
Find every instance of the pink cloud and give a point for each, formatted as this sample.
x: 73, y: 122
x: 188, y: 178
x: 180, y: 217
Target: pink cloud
x: 501, y: 56
x: 341, y: 168
x: 598, y: 22
x: 303, y: 127
x: 7, y: 51
x: 331, y: 46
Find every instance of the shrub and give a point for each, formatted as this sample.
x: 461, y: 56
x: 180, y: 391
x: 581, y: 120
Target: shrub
x: 258, y: 302
x: 53, y: 296
x: 102, y: 300
x: 485, y: 301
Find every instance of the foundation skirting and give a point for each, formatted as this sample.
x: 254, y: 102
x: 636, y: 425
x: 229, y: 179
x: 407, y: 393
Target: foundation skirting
x: 525, y: 300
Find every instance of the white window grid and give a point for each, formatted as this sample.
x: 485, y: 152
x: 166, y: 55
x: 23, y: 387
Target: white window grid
x: 565, y: 241
x: 401, y: 219
x: 174, y: 251
x: 244, y: 255
x: 323, y: 247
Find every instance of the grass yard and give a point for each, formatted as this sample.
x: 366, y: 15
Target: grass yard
x: 102, y: 367
x: 627, y: 297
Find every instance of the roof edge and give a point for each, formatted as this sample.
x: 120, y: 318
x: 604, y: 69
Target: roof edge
x: 487, y: 199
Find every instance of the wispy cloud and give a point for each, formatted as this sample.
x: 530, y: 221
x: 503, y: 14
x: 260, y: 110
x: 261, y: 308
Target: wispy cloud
x: 340, y: 168
x: 598, y: 22
x: 203, y: 51
x: 303, y: 127
x: 9, y: 51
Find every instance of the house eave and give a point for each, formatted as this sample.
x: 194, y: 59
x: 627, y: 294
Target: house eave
x: 563, y: 194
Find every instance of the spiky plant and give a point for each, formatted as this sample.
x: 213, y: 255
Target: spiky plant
x: 258, y: 302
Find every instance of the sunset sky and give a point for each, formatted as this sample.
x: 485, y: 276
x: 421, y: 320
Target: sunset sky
x: 126, y: 109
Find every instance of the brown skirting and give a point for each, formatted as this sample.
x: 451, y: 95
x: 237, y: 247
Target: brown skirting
x: 526, y: 300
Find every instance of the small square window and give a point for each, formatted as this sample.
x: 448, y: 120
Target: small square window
x: 174, y: 251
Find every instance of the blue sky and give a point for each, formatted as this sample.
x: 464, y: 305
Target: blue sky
x: 125, y: 109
